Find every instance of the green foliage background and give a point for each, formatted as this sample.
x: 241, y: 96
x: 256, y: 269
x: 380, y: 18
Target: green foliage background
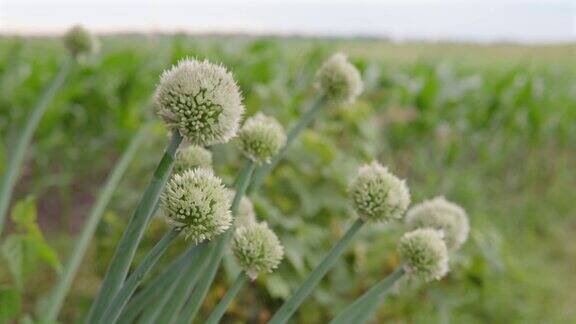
x: 492, y: 127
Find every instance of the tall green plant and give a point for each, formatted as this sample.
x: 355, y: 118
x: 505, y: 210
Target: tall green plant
x: 425, y: 257
x: 195, y: 301
x: 376, y: 195
x: 257, y: 250
x: 131, y: 237
x: 57, y: 297
x: 204, y: 112
x: 339, y: 82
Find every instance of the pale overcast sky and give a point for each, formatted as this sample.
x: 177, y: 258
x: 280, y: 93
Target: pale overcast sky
x: 471, y: 20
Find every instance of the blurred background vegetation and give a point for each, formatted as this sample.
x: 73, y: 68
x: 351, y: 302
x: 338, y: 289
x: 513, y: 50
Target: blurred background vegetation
x: 491, y: 127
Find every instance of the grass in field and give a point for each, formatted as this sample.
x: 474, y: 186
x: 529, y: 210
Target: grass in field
x: 491, y: 127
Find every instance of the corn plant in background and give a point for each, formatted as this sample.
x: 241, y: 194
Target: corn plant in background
x: 79, y: 43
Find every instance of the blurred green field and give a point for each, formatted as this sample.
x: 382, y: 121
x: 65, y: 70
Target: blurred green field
x: 492, y: 127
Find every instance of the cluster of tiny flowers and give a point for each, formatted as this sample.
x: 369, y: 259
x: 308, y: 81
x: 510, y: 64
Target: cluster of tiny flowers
x: 79, y: 41
x: 339, y: 80
x: 261, y: 137
x: 442, y: 215
x: 197, y: 203
x: 424, y: 253
x: 378, y: 195
x: 245, y: 215
x: 257, y: 249
x: 201, y: 100
x: 192, y: 157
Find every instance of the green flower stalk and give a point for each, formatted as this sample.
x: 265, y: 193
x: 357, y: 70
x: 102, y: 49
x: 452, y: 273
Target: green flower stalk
x: 217, y: 251
x: 257, y: 250
x: 261, y: 137
x: 192, y: 157
x: 197, y: 204
x: 80, y: 42
x: 440, y: 214
x: 168, y: 306
x: 201, y: 100
x: 339, y: 80
x: 149, y: 294
x: 425, y: 256
x: 424, y: 253
x: 376, y: 195
x: 363, y: 308
x: 120, y: 300
x: 122, y: 258
x: 54, y: 303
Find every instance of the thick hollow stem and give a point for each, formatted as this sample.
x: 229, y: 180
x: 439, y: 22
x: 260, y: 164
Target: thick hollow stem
x: 291, y: 305
x: 363, y: 308
x: 121, y: 298
x: 16, y: 156
x: 217, y: 252
x: 57, y: 298
x: 222, y: 306
x: 131, y: 237
x: 262, y: 171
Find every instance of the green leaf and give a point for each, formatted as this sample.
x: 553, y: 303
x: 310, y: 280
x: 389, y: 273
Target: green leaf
x: 24, y: 213
x: 10, y: 304
x: 44, y: 252
x: 13, y: 252
x: 22, y: 251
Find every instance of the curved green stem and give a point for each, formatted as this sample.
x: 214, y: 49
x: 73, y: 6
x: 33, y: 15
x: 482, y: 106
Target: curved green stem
x: 222, y: 306
x: 151, y: 313
x: 195, y: 302
x: 121, y: 298
x: 120, y: 263
x: 291, y: 305
x: 61, y: 289
x: 16, y: 157
x: 363, y: 308
x: 263, y: 171
x: 156, y: 287
x: 184, y: 285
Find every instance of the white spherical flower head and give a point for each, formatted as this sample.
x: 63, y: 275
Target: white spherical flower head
x: 201, y: 100
x: 245, y: 215
x: 424, y: 253
x: 442, y: 215
x: 79, y: 41
x: 197, y: 203
x: 378, y: 195
x: 192, y: 157
x: 339, y: 80
x: 261, y: 137
x: 257, y: 249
